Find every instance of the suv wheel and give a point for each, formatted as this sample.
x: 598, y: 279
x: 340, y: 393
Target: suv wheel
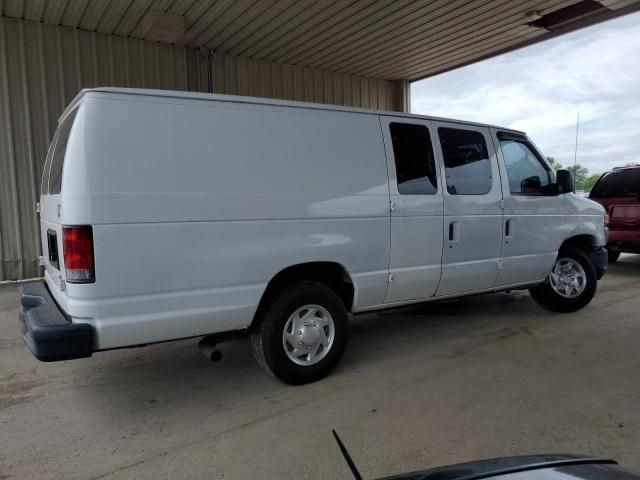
x: 301, y: 333
x: 571, y: 284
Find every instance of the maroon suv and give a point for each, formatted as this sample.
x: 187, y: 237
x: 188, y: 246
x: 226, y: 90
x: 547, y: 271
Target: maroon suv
x: 619, y: 192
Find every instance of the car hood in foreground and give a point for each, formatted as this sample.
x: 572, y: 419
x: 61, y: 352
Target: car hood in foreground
x: 545, y: 467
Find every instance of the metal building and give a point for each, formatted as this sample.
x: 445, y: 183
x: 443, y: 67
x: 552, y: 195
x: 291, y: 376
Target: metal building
x: 349, y: 52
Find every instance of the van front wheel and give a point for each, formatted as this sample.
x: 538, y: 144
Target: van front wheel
x: 571, y: 284
x: 301, y: 333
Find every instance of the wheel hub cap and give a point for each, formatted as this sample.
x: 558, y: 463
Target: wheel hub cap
x: 308, y: 335
x: 568, y: 278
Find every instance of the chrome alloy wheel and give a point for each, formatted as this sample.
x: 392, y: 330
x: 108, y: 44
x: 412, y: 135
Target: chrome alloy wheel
x: 568, y: 278
x: 308, y: 335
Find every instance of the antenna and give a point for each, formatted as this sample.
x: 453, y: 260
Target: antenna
x: 575, y: 154
x: 347, y: 457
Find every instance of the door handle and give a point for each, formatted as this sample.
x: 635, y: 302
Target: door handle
x: 453, y: 233
x: 508, y: 229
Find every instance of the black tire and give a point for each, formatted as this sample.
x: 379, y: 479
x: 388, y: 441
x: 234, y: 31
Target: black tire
x: 267, y: 332
x: 548, y: 298
x: 613, y: 255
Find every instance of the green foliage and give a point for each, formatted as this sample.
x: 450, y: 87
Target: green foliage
x: 581, y: 176
x: 590, y: 181
x: 584, y: 181
x: 555, y: 165
x: 579, y: 173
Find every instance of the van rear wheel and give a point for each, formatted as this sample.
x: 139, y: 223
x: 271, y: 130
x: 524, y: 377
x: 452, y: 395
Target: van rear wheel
x: 571, y: 284
x: 301, y: 333
x: 613, y: 255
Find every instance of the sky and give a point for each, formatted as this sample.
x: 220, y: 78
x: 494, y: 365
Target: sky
x: 540, y: 89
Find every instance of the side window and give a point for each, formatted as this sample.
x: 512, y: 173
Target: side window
x: 44, y: 185
x: 466, y: 161
x: 623, y: 183
x: 415, y: 163
x: 525, y: 171
x: 59, y: 151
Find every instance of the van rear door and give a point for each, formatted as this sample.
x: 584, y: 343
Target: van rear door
x: 50, y: 189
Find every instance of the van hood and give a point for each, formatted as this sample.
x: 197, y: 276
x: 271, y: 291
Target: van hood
x: 579, y: 205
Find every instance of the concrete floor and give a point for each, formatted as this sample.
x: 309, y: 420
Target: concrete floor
x: 420, y: 387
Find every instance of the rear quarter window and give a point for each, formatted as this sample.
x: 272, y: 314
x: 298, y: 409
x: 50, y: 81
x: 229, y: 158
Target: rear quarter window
x: 44, y: 185
x: 61, y: 139
x: 414, y: 159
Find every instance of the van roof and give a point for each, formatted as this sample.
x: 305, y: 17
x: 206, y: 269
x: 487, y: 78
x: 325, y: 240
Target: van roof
x: 262, y: 101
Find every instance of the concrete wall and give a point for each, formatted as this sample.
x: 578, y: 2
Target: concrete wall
x: 43, y: 67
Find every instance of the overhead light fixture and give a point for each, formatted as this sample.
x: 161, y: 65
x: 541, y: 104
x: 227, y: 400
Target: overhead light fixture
x: 533, y: 15
x: 567, y: 15
x: 163, y: 27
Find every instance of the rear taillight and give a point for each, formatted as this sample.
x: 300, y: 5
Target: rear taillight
x: 77, y: 248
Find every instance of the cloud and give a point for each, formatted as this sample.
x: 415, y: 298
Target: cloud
x: 540, y: 89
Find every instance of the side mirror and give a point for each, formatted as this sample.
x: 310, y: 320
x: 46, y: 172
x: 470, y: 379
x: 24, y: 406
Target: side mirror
x: 564, y: 180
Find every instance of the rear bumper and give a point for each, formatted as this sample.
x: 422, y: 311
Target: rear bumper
x: 600, y: 259
x: 47, y: 331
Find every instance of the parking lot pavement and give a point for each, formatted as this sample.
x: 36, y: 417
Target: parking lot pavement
x: 419, y: 387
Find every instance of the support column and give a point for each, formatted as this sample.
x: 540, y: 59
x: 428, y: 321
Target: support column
x: 403, y: 95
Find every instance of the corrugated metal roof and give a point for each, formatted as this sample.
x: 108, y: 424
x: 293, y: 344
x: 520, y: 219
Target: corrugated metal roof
x: 388, y: 39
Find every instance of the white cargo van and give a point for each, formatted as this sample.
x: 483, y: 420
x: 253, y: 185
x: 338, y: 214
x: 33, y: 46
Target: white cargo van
x: 167, y: 215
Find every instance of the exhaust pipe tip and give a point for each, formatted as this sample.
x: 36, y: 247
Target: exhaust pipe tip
x: 208, y: 348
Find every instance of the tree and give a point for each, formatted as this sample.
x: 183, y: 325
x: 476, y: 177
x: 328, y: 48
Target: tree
x: 555, y: 165
x: 590, y: 181
x: 579, y: 175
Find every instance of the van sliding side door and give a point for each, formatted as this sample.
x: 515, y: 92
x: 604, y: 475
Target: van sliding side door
x: 472, y: 208
x: 416, y: 209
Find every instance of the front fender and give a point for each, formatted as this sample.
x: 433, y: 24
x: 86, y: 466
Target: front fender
x: 585, y: 218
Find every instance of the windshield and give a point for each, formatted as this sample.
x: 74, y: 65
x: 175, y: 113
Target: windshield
x: 624, y: 183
